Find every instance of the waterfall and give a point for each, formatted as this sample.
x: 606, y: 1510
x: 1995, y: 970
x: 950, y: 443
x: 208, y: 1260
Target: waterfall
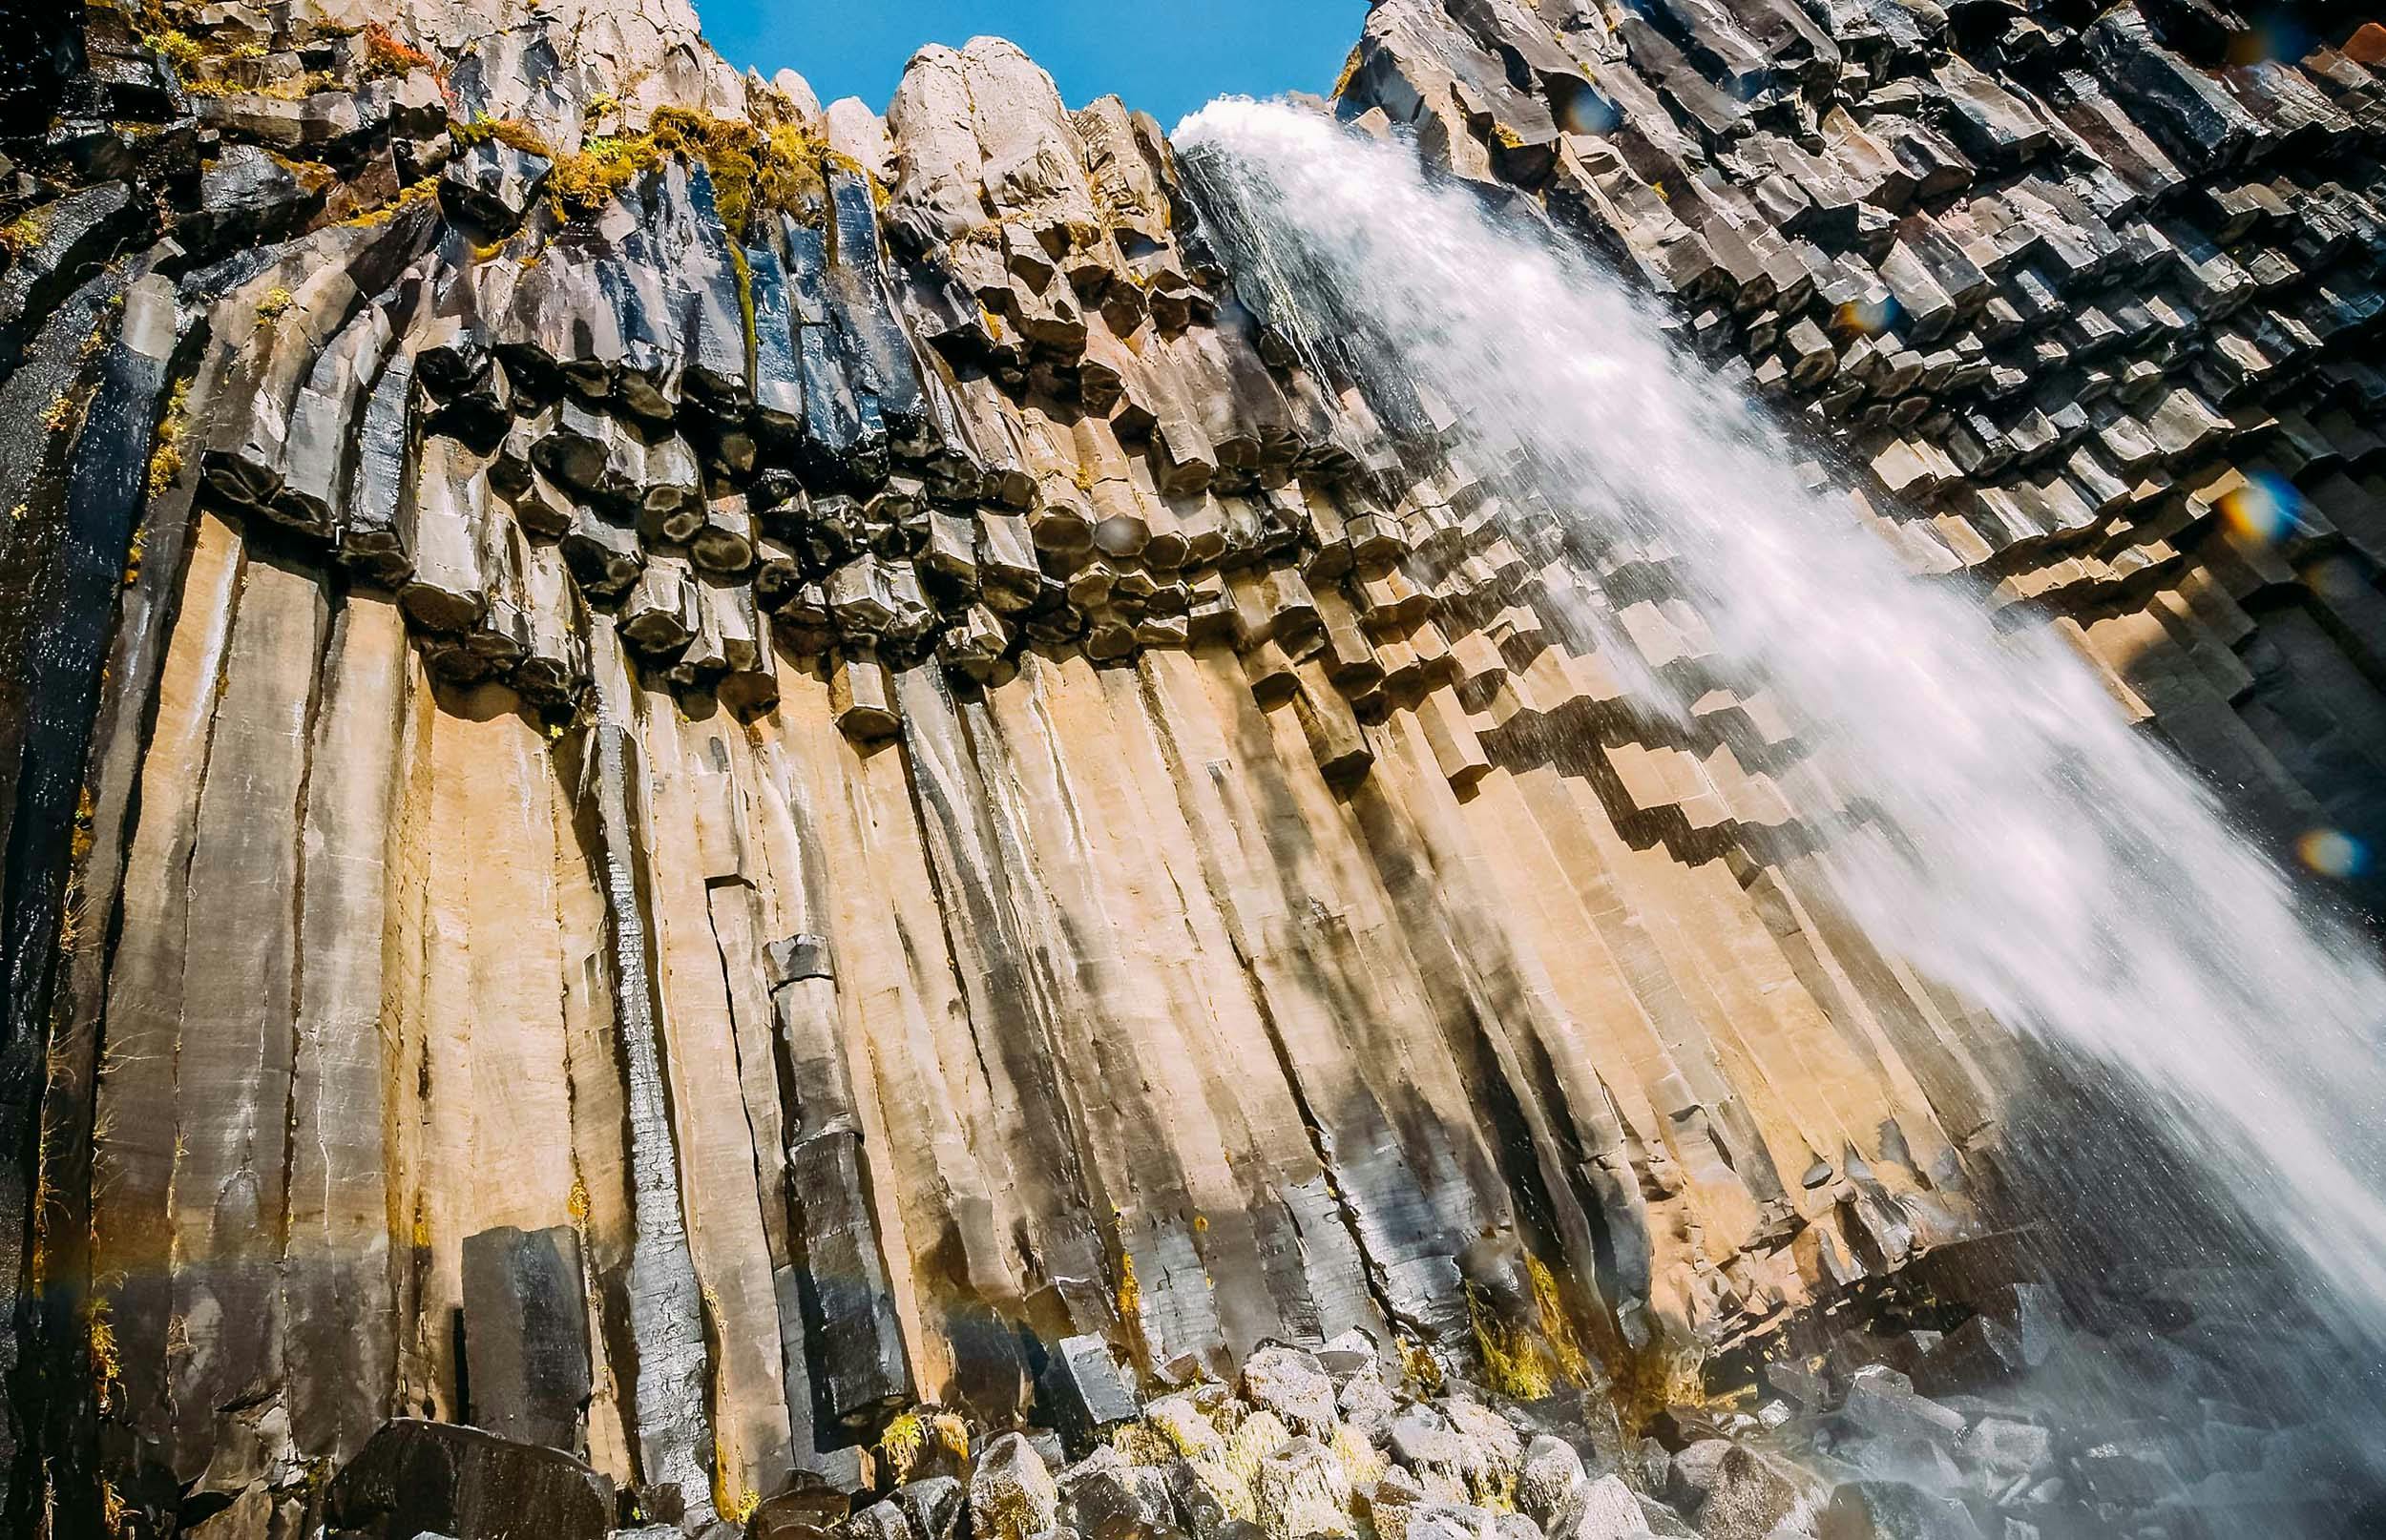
x: 1990, y: 814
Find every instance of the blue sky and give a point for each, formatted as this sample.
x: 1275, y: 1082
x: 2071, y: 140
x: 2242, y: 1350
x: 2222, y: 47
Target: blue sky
x: 1165, y: 57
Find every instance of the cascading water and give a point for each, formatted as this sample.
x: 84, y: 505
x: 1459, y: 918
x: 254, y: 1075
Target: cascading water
x: 2003, y: 826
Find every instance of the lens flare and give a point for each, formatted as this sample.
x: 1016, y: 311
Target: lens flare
x: 2264, y: 511
x: 1868, y: 318
x: 2274, y: 35
x: 2332, y: 853
x: 1588, y: 112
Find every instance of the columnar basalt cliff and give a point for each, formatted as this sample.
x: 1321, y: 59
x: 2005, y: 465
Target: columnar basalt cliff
x: 681, y: 771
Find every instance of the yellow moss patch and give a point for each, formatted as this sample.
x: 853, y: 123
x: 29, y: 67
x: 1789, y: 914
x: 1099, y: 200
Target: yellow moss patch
x: 269, y: 309
x: 1665, y: 1374
x: 417, y: 191
x: 754, y: 170
x: 1557, y: 1326
x: 504, y: 131
x: 1418, y: 1365
x: 1141, y: 1443
x: 1262, y: 1434
x: 1349, y: 70
x: 19, y: 236
x: 1130, y: 1290
x: 1512, y: 1361
x: 1359, y: 1459
x: 901, y: 1444
x: 165, y: 461
x: 106, y: 1366
x: 296, y: 87
x: 178, y: 48
x: 582, y: 185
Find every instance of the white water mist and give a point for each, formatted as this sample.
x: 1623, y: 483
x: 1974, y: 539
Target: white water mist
x: 2019, y: 839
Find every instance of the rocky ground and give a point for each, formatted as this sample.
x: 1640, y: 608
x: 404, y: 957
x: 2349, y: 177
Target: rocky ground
x: 2022, y: 1423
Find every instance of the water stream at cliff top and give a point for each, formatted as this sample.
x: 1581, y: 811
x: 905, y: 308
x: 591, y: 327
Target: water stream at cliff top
x: 2013, y: 836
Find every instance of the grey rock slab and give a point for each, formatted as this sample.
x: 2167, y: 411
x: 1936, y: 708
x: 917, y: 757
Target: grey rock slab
x: 1605, y: 1509
x: 1085, y: 1391
x: 526, y: 1334
x: 933, y: 1504
x: 856, y: 1342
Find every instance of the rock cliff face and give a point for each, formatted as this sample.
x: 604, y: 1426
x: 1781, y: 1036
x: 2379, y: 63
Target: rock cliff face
x: 681, y: 770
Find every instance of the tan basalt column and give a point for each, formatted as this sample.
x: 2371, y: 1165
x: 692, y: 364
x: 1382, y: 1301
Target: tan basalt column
x: 1413, y: 1185
x: 137, y: 1130
x: 337, y: 1297
x: 1215, y: 1050
x: 233, y: 1071
x: 407, y: 951
x: 991, y: 880
x: 1146, y: 1148
x: 1324, y: 1271
x: 936, y: 1204
x: 599, y: 1204
x: 1606, y: 1053
x: 717, y: 1171
x: 670, y: 1421
x: 1500, y: 1010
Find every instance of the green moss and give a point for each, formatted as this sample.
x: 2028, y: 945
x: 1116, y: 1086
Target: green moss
x: 1557, y: 1326
x: 754, y: 170
x: 421, y: 190
x: 1418, y: 1365
x: 505, y: 130
x: 1513, y: 1361
x: 178, y: 49
x: 901, y: 1444
x: 21, y: 235
x: 582, y: 185
x: 1349, y: 70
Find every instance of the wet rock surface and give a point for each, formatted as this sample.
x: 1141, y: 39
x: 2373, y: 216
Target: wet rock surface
x: 679, y: 769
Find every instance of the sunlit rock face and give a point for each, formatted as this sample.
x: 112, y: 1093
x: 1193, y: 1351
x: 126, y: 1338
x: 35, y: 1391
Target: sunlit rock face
x: 681, y: 770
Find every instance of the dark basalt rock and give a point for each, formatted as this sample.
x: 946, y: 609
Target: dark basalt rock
x: 526, y: 1334
x: 1084, y: 1391
x: 415, y: 1477
x: 493, y: 184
